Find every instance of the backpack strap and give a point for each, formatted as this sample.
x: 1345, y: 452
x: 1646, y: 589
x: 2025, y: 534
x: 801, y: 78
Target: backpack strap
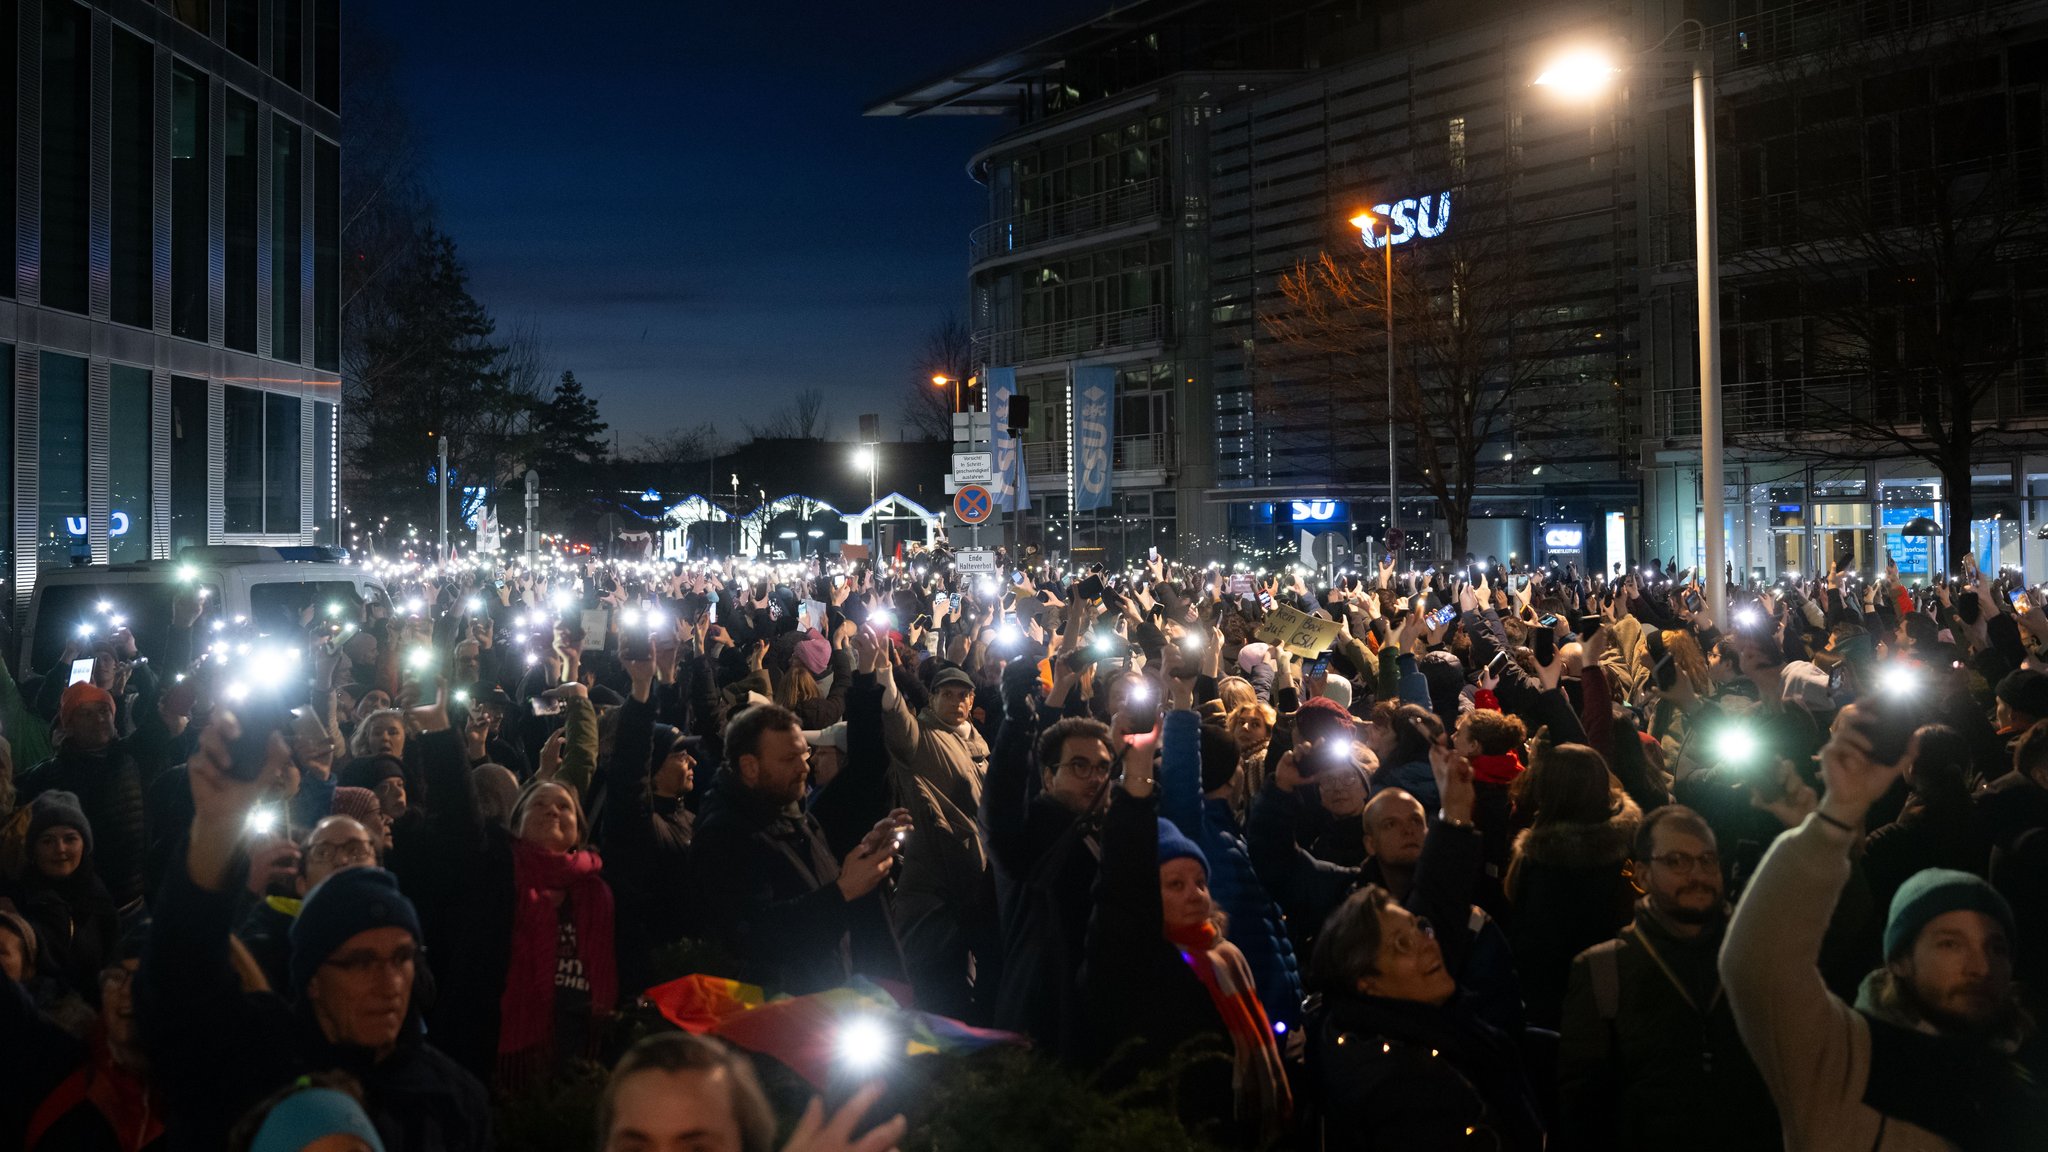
x: 1603, y: 965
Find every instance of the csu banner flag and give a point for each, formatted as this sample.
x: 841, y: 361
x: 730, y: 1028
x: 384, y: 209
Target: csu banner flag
x: 1094, y: 414
x: 1003, y: 447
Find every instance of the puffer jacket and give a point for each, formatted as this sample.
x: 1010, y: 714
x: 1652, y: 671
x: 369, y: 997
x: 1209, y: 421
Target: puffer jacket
x: 1256, y: 925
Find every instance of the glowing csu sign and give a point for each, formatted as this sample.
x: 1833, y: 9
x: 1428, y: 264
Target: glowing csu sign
x: 117, y: 524
x: 1564, y: 539
x: 1314, y: 511
x: 1426, y: 217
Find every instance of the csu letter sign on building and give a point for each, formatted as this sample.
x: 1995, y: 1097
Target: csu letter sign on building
x: 1093, y: 405
x: 1425, y: 216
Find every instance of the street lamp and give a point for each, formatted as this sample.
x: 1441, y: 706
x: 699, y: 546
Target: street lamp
x: 1364, y: 222
x: 866, y: 456
x: 1584, y: 73
x: 939, y: 381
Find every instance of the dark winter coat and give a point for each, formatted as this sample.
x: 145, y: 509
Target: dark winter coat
x: 765, y: 886
x: 1663, y: 1071
x: 218, y: 1050
x: 77, y: 927
x: 109, y: 785
x: 1396, y: 1075
x: 646, y: 843
x: 1942, y: 834
x: 1569, y: 887
x: 1146, y: 1008
x: 1045, y: 872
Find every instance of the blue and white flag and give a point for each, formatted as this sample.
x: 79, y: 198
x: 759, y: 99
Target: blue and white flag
x: 1002, y: 384
x: 1094, y: 414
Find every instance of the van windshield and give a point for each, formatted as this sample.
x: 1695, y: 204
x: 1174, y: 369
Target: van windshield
x: 279, y: 609
x: 65, y: 609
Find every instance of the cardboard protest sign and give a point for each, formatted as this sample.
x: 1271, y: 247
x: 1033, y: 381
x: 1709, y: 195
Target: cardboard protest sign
x: 1304, y: 635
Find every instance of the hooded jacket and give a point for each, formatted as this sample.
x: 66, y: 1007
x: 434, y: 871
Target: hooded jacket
x: 1569, y: 886
x: 646, y: 842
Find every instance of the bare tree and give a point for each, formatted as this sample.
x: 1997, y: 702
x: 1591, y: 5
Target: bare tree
x: 803, y: 418
x: 1479, y: 360
x: 948, y: 350
x: 681, y: 446
x: 1884, y: 313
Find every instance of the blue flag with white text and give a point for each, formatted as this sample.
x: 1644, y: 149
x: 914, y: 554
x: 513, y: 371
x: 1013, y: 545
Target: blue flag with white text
x: 1002, y: 384
x: 1094, y: 416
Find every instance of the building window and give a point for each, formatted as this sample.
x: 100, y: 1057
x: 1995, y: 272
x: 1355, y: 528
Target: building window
x: 285, y: 250
x: 242, y: 461
x: 242, y: 159
x: 7, y: 460
x: 134, y: 179
x: 241, y: 32
x: 67, y: 176
x: 287, y: 42
x: 61, y: 475
x: 191, y: 13
x: 10, y: 71
x: 327, y: 54
x: 189, y: 455
x: 326, y: 256
x: 189, y: 131
x: 128, y: 463
x: 282, y: 440
x: 323, y: 472
x: 260, y: 451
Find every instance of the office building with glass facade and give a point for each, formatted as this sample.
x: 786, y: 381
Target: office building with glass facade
x: 170, y: 312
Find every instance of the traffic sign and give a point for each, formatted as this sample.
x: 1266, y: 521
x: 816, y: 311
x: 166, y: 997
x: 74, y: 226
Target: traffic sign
x: 975, y: 562
x: 972, y: 504
x: 972, y: 468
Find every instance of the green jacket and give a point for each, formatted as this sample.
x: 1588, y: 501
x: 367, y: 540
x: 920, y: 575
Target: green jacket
x: 1641, y: 1067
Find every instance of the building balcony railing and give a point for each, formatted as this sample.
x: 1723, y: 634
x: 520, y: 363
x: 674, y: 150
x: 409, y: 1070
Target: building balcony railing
x: 1819, y: 406
x: 1109, y: 208
x: 1777, y: 35
x: 1151, y: 452
x: 1129, y: 328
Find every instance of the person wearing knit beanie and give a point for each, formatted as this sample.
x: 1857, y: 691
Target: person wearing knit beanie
x: 1173, y: 845
x: 58, y: 810
x: 86, y: 714
x: 1935, y: 892
x: 348, y: 904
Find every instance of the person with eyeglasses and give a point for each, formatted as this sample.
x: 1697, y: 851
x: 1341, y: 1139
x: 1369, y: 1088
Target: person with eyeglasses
x: 1399, y: 1052
x: 65, y: 1093
x: 1649, y: 1056
x: 220, y: 1047
x: 1041, y: 813
x: 336, y: 842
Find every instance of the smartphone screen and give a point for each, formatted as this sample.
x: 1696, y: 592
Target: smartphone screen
x: 81, y: 671
x: 2018, y: 596
x: 1499, y: 661
x: 1321, y: 666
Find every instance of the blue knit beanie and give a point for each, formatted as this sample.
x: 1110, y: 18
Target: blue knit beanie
x: 1173, y: 845
x: 1933, y: 892
x: 350, y: 901
x: 314, y: 1114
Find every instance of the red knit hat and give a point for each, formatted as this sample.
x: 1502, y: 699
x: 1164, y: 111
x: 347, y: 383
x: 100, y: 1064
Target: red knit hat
x: 78, y: 696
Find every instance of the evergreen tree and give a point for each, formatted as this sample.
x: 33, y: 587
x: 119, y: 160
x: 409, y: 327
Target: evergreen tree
x: 425, y: 367
x: 571, y: 441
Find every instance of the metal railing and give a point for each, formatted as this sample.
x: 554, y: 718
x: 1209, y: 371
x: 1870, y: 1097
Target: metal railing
x: 1778, y: 35
x: 1109, y: 208
x: 1071, y: 337
x: 1151, y: 452
x: 1823, y: 405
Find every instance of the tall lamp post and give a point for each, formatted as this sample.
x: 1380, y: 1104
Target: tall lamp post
x: 1586, y: 73
x: 1364, y: 222
x: 940, y: 381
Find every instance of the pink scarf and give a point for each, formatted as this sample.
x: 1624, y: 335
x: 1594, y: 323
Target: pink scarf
x: 527, y: 1009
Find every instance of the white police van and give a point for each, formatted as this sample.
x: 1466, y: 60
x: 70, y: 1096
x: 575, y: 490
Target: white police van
x: 269, y: 586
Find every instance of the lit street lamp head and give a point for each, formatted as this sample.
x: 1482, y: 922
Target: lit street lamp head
x: 941, y: 381
x: 1580, y: 74
x: 864, y: 459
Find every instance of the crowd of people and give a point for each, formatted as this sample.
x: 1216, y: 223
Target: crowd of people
x: 1454, y: 858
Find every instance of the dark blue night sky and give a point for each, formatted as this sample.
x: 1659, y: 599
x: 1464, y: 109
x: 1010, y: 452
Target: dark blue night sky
x: 684, y: 198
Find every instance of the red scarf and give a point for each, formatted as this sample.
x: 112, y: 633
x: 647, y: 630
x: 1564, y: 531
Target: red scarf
x: 1257, y: 1075
x: 527, y: 1009
x: 124, y: 1100
x: 1501, y: 769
